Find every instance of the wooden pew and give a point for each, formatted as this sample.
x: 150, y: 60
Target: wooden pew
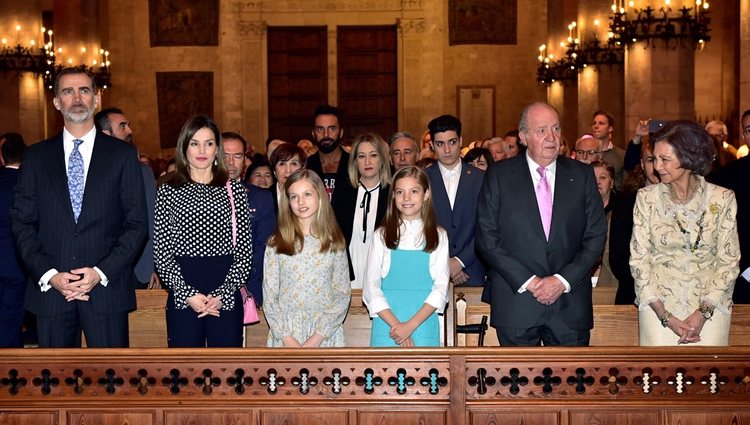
x: 614, y: 325
x: 148, y: 326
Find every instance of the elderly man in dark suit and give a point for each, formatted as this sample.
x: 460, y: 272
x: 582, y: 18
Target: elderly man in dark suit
x: 540, y: 227
x: 79, y: 219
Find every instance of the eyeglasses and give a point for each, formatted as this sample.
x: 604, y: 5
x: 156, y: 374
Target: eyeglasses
x: 582, y: 152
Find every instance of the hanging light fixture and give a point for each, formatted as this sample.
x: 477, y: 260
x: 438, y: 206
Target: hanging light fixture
x: 45, y: 59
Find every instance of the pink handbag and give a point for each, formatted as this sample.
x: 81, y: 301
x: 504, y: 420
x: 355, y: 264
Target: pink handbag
x: 248, y: 304
x: 250, y: 315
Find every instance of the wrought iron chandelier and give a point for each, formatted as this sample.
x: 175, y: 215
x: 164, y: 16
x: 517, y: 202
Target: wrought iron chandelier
x: 687, y: 25
x: 46, y: 60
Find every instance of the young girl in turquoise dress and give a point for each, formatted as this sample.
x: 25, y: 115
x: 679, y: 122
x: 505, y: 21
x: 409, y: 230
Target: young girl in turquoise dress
x: 306, y: 287
x: 408, y: 270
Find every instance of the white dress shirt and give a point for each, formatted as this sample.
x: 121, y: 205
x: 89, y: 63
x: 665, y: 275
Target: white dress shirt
x: 412, y: 238
x: 86, y: 149
x: 450, y: 180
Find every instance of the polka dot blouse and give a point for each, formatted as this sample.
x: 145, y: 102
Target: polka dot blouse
x: 195, y: 220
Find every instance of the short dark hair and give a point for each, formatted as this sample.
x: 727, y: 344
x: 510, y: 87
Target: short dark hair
x: 444, y: 123
x: 12, y: 148
x: 285, y: 152
x: 232, y: 135
x: 475, y: 153
x: 607, y: 166
x: 610, y: 118
x: 102, y: 121
x: 692, y: 145
x: 329, y: 110
x: 258, y: 160
x: 71, y: 71
x: 512, y: 133
x: 745, y: 114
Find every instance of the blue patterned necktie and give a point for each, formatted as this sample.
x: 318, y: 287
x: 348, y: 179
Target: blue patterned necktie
x: 75, y: 179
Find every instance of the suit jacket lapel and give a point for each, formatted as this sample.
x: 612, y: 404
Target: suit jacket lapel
x: 521, y: 180
x: 58, y: 176
x: 563, y: 178
x: 96, y: 172
x: 463, y: 180
x: 439, y: 192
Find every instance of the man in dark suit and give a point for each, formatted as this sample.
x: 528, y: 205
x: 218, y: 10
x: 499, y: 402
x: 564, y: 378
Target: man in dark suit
x: 113, y: 122
x: 79, y: 219
x: 540, y: 228
x: 455, y: 190
x: 736, y: 176
x: 12, y: 276
x: 331, y: 161
x: 262, y: 214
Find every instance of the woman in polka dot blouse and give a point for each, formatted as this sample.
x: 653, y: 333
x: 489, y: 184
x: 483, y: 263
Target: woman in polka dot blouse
x: 202, y: 242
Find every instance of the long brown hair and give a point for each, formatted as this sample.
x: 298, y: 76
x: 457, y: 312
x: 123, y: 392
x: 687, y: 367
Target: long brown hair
x: 182, y: 167
x: 289, y: 238
x: 392, y: 223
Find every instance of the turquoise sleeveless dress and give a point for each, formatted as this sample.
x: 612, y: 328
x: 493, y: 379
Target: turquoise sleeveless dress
x: 406, y: 287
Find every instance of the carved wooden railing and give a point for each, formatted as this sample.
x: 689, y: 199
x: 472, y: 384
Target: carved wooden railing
x: 368, y: 386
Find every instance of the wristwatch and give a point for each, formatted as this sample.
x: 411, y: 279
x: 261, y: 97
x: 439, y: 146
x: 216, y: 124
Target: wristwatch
x: 665, y: 318
x: 706, y: 311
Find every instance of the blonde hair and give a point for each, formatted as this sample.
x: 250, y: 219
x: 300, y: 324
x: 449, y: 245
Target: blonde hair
x: 289, y: 238
x: 384, y: 172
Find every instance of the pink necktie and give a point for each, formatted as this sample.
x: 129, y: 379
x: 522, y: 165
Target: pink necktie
x: 544, y: 199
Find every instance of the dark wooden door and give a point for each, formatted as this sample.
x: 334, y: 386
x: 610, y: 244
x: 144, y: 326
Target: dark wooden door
x: 367, y: 83
x: 297, y: 80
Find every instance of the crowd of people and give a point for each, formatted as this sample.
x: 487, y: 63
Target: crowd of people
x: 535, y: 223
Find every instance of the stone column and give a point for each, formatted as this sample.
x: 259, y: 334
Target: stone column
x: 599, y: 88
x: 659, y: 84
x: 411, y: 62
x: 76, y: 26
x: 659, y: 81
x: 253, y: 80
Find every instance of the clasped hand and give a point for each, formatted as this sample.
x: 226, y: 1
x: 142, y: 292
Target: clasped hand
x: 205, y: 305
x: 546, y: 290
x: 401, y: 334
x: 689, y: 330
x: 75, y: 284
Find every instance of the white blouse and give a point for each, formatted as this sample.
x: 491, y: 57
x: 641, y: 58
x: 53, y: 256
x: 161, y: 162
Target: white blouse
x: 379, y: 264
x: 358, y: 249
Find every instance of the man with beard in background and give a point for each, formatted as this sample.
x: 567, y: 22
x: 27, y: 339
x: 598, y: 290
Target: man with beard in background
x: 330, y: 163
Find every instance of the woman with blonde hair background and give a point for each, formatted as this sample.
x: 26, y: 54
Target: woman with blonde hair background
x: 360, y: 203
